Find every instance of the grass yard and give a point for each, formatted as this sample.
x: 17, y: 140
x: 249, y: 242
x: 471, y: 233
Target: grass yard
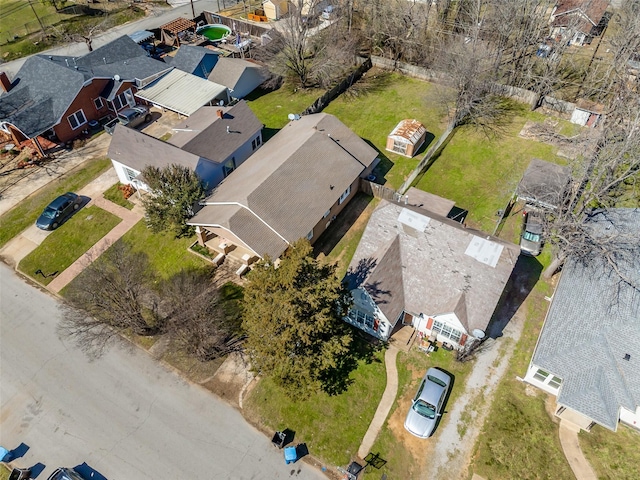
x: 167, y: 255
x: 408, y: 461
x: 613, y: 455
x: 272, y: 108
x: 481, y: 174
x: 332, y: 426
x: 26, y: 212
x: 376, y: 105
x: 4, y: 473
x: 68, y: 243
x: 115, y: 195
x: 519, y: 439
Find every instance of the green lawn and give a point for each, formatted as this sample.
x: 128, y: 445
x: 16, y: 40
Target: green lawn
x: 481, y: 174
x: 167, y: 255
x: 613, y: 455
x: 407, y: 462
x: 4, y: 473
x: 519, y: 439
x: 14, y: 14
x: 332, y: 426
x: 115, y: 195
x: 68, y: 243
x: 273, y: 108
x: 382, y: 100
x: 26, y: 212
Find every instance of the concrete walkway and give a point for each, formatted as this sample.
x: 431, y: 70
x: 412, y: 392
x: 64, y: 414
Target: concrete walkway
x: 571, y: 448
x: 386, y: 402
x: 129, y: 218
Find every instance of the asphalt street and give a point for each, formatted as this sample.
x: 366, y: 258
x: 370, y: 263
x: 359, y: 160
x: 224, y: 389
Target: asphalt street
x: 123, y: 414
x: 154, y: 21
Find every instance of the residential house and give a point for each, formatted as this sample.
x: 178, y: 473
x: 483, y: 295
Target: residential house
x: 183, y: 93
x: 417, y: 267
x: 56, y: 96
x: 241, y: 77
x: 292, y: 188
x: 406, y: 138
x: 578, y: 21
x: 195, y: 60
x: 588, y: 352
x: 212, y: 142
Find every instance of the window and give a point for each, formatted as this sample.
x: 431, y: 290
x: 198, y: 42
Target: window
x: 130, y: 174
x: 77, y: 119
x: 447, y: 331
x: 229, y: 166
x: 122, y: 100
x: 327, y: 213
x: 399, y: 147
x: 255, y: 143
x: 541, y: 375
x: 98, y: 103
x: 555, y: 382
x: 310, y: 235
x: 258, y: 141
x: 344, y: 196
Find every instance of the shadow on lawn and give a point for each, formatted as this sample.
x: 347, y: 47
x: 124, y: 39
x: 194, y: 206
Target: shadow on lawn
x: 363, y: 348
x: 523, y: 278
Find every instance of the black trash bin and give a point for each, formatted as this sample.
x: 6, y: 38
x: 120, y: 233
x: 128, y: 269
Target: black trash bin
x: 20, y: 474
x: 279, y: 439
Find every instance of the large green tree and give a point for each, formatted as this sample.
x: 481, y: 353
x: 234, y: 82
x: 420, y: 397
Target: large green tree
x: 175, y: 191
x: 293, y: 321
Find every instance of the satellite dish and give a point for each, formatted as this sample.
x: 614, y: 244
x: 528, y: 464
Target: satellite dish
x: 291, y: 116
x: 478, y: 333
x: 116, y: 78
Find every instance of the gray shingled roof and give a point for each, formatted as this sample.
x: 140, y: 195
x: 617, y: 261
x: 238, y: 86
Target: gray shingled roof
x: 592, y: 323
x: 46, y: 85
x: 204, y: 134
x: 138, y: 150
x: 292, y: 180
x: 543, y: 183
x: 229, y: 71
x: 430, y: 272
x: 189, y: 57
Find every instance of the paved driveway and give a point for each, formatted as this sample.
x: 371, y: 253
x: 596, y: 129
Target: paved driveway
x: 123, y: 414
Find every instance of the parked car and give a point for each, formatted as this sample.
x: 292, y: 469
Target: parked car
x: 58, y: 211
x: 428, y: 403
x: 65, y: 474
x: 129, y: 117
x: 532, y: 229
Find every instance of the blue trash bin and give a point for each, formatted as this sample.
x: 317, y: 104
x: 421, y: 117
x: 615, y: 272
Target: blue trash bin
x: 5, y: 455
x: 290, y: 455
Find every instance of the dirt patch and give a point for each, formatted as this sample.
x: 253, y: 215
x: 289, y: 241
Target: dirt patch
x: 230, y: 379
x: 419, y: 448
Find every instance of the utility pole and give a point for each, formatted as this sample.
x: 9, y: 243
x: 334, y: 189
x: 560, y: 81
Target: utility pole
x: 37, y: 17
x: 193, y: 12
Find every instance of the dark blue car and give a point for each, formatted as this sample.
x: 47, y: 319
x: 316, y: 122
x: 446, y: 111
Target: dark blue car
x: 58, y: 211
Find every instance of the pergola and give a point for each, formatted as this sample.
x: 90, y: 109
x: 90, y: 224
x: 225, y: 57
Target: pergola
x: 171, y: 31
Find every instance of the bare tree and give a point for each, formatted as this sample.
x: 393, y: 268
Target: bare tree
x: 195, y: 317
x: 109, y: 298
x: 85, y: 32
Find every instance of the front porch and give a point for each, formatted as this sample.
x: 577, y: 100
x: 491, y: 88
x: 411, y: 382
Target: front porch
x: 226, y: 251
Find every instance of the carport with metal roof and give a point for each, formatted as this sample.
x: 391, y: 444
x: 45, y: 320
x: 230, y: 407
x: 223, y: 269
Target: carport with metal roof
x: 183, y: 92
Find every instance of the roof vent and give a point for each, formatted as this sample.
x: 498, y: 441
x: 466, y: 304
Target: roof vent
x: 627, y: 357
x: 116, y: 78
x: 228, y: 131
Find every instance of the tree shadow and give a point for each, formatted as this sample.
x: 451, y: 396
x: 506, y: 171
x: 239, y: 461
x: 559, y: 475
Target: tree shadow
x: 523, y: 278
x: 363, y: 349
x: 371, y: 83
x: 356, y: 276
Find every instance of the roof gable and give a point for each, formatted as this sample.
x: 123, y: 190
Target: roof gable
x: 229, y: 71
x: 138, y: 150
x: 189, y: 57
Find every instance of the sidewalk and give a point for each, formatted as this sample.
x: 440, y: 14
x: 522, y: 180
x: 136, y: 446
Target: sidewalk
x: 571, y: 447
x: 386, y: 402
x: 129, y: 218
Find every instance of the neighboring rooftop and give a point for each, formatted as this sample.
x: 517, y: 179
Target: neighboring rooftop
x: 189, y: 57
x: 543, y: 183
x: 229, y: 71
x: 414, y: 260
x: 208, y: 135
x: 289, y: 183
x: 589, y: 12
x: 593, y: 324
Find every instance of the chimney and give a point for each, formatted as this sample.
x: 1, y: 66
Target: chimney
x: 4, y: 82
x: 220, y: 113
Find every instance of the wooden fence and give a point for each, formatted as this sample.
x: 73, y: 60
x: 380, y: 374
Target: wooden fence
x: 379, y: 191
